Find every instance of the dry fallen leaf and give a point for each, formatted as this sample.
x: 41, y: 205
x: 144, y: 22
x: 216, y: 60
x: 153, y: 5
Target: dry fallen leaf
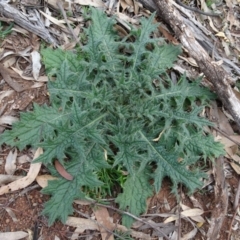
x: 46, y: 21
x: 82, y: 224
x: 25, y: 181
x: 53, y: 20
x: 227, y: 142
x: 62, y: 171
x: 20, y: 73
x: 13, y: 235
x: 23, y: 159
x: 190, y: 235
x: 38, y: 84
x: 8, y: 120
x: 5, y: 179
x: 216, y: 114
x: 93, y: 3
x: 4, y: 94
x: 198, y: 219
x: 126, y: 18
x: 10, y: 165
x: 136, y: 7
x: 36, y: 64
x: 11, y: 214
x: 43, y: 180
x: 222, y: 35
x: 230, y: 154
x: 103, y: 218
x: 211, y: 24
x: 124, y: 5
x: 190, y: 61
x: 134, y: 234
x: 235, y: 167
x: 10, y: 61
x: 194, y: 212
x: 195, y: 202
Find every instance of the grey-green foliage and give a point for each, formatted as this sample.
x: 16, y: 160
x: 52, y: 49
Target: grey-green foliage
x: 115, y: 96
x: 5, y: 31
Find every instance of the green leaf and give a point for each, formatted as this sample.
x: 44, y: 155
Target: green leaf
x: 53, y: 60
x: 34, y: 126
x: 168, y: 165
x: 142, y: 42
x: 64, y: 192
x: 136, y: 190
x: 69, y: 84
x: 184, y: 90
x: 73, y: 138
x: 102, y: 47
x: 200, y: 144
x: 162, y: 58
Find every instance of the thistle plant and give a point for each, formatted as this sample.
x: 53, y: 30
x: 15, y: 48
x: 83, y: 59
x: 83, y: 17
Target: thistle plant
x: 114, y: 99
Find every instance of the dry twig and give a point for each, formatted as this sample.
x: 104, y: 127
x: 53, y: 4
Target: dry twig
x: 134, y: 217
x: 59, y: 3
x: 230, y: 228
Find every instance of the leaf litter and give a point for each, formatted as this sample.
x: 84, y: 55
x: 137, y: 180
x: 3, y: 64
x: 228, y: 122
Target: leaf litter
x: 127, y: 16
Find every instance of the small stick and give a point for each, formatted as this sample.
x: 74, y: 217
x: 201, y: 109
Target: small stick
x: 230, y: 228
x: 197, y: 10
x: 179, y: 214
x: 225, y: 135
x: 59, y: 3
x: 136, y: 218
x: 236, y: 200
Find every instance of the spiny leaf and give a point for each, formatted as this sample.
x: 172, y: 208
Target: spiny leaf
x: 162, y: 58
x: 34, y: 126
x: 168, y: 165
x: 53, y: 60
x: 184, y: 90
x: 142, y: 42
x: 136, y: 190
x: 64, y: 192
x: 66, y: 137
x: 102, y: 47
x: 200, y: 144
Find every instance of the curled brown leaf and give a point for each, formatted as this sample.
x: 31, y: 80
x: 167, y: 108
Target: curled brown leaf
x: 62, y: 171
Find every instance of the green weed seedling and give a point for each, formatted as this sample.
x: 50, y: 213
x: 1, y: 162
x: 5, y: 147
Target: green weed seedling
x: 114, y: 98
x: 5, y: 31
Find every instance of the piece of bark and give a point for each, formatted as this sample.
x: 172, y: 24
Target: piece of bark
x: 31, y: 22
x: 221, y: 201
x: 214, y: 73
